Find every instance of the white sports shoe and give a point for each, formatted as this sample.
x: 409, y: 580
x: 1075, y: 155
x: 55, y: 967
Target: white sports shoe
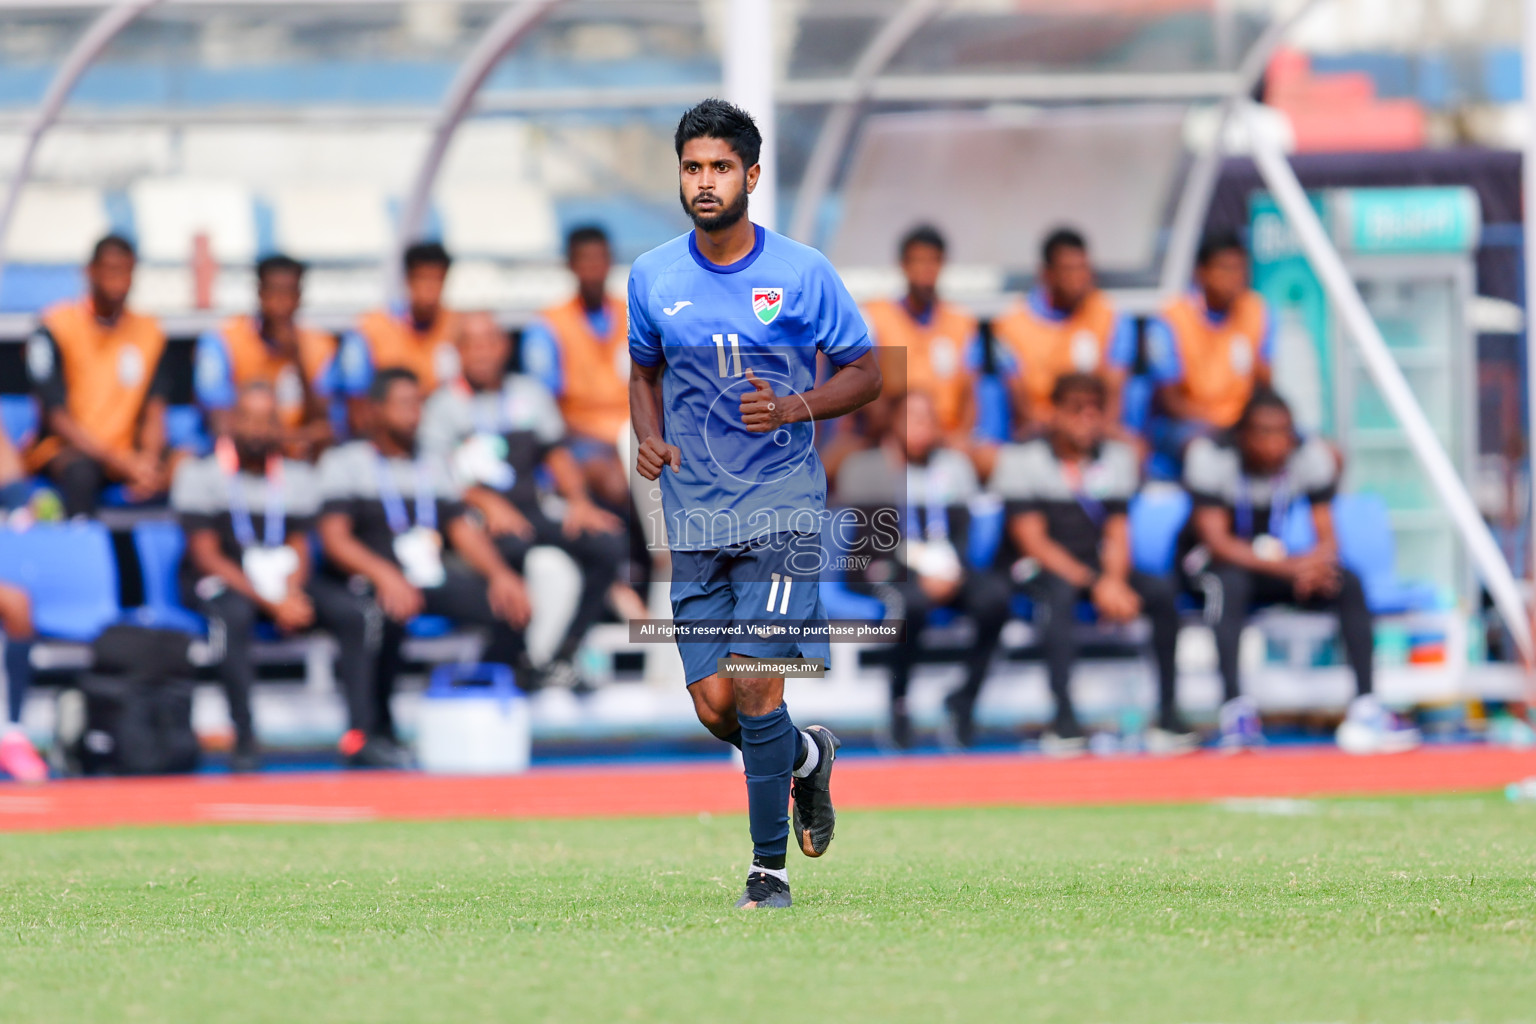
x: 1369, y: 728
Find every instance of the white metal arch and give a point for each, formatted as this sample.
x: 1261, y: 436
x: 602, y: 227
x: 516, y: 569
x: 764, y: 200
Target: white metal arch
x: 505, y: 33
x: 87, y: 48
x: 822, y: 166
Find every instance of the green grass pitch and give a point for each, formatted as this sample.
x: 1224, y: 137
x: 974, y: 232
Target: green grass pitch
x: 1381, y: 910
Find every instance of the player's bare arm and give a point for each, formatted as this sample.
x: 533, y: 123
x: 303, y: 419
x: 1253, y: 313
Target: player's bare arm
x: 645, y: 414
x: 851, y: 387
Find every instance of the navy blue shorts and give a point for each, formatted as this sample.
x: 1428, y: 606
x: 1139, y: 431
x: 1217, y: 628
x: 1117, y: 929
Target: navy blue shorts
x: 758, y: 600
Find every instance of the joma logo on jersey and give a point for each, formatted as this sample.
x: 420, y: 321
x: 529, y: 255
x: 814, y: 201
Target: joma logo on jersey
x: 767, y: 302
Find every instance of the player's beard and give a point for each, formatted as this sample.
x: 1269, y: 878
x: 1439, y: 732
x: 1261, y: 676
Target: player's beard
x: 403, y: 439
x: 253, y: 451
x: 727, y: 217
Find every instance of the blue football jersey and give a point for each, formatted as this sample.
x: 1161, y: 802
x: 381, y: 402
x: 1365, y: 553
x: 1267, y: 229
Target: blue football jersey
x: 771, y: 312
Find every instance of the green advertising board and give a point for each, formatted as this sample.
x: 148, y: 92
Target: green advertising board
x: 1386, y: 221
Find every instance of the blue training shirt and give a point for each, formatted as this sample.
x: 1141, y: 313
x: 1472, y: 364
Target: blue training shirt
x: 771, y: 312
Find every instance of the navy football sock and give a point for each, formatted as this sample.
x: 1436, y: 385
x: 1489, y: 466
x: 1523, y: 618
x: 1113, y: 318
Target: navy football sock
x: 734, y: 739
x: 802, y: 748
x: 18, y: 675
x: 768, y: 754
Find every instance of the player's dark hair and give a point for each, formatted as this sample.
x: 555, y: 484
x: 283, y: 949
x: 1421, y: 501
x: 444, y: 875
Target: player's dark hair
x: 1069, y: 384
x: 113, y: 243
x: 922, y: 234
x: 277, y: 263
x: 1216, y: 244
x: 1059, y: 239
x: 386, y: 379
x: 586, y: 234
x: 717, y: 119
x: 426, y: 254
x: 1263, y: 397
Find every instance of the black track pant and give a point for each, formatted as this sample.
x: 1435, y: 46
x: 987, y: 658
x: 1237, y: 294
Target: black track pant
x: 1232, y: 593
x: 79, y: 480
x: 599, y: 556
x: 983, y: 598
x: 1056, y: 603
x: 234, y: 617
x: 369, y: 658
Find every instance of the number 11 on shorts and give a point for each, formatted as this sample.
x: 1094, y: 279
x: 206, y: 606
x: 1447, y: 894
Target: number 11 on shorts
x: 773, y: 592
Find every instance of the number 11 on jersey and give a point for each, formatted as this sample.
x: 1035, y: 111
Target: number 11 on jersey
x: 720, y: 340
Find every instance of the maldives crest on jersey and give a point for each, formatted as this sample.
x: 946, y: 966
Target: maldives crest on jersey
x: 767, y: 302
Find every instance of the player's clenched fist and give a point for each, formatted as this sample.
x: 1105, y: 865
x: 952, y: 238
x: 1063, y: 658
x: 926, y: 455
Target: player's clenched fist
x: 655, y: 453
x: 761, y: 410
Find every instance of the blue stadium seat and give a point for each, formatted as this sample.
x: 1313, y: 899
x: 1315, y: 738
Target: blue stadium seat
x: 115, y: 496
x: 940, y: 617
x: 1298, y: 531
x: 184, y: 429
x: 1136, y: 403
x: 1162, y: 466
x: 428, y: 627
x: 19, y: 416
x: 1501, y: 75
x: 160, y: 545
x: 840, y: 602
x: 28, y: 288
x: 986, y: 536
x: 837, y: 599
x: 634, y: 223
x: 1361, y: 523
x: 489, y: 679
x: 994, y: 415
x: 1367, y: 546
x: 1156, y: 518
x: 70, y: 574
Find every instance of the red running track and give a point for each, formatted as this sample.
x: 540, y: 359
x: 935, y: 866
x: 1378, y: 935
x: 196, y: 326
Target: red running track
x: 862, y: 784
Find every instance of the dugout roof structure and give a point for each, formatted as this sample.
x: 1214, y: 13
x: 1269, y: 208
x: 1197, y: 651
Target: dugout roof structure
x: 77, y: 81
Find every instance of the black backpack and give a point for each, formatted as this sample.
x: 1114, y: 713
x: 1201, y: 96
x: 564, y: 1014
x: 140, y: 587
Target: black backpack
x: 138, y: 704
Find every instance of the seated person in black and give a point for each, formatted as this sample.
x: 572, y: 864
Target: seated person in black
x: 247, y: 513
x: 396, y: 542
x: 1234, y: 556
x: 1068, y: 494
x: 926, y: 488
x: 496, y: 429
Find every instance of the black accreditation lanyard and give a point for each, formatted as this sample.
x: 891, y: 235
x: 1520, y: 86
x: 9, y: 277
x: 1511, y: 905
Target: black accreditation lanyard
x: 394, y: 504
x: 1242, y: 506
